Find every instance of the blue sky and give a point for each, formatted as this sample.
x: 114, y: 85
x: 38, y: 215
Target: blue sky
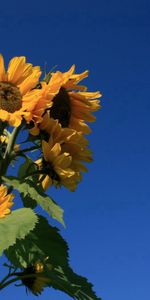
x: 108, y: 217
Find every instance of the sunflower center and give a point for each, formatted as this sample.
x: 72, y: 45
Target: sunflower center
x: 48, y: 169
x: 61, y: 108
x: 10, y: 97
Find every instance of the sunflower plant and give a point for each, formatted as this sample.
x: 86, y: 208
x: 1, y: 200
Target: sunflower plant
x: 43, y: 128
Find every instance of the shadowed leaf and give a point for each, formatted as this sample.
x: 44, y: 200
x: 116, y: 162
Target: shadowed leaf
x: 47, y: 246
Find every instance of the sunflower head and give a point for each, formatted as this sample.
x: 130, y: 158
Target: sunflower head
x: 73, y: 105
x: 64, y: 152
x: 55, y: 166
x: 17, y: 97
x: 10, y: 97
x: 5, y: 201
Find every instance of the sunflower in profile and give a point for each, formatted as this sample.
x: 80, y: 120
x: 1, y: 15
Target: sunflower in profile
x: 55, y: 167
x: 5, y: 201
x: 18, y: 96
x: 71, y: 144
x: 73, y: 105
x: 71, y: 141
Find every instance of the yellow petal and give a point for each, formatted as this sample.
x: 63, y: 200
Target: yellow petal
x: 31, y: 81
x: 63, y: 160
x: 50, y: 153
x: 47, y: 182
x: 15, y: 68
x: 3, y: 75
x: 65, y: 173
x: 5, y: 201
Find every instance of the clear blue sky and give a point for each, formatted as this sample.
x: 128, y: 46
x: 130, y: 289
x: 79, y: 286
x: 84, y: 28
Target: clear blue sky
x: 108, y: 218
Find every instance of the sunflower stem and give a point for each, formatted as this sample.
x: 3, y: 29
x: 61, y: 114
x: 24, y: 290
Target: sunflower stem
x: 11, y: 142
x: 7, y: 156
x: 6, y: 277
x: 4, y: 283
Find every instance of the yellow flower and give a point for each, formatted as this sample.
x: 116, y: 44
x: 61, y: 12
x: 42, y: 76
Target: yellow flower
x: 73, y: 105
x: 18, y: 98
x: 55, y: 166
x: 5, y: 201
x: 70, y: 143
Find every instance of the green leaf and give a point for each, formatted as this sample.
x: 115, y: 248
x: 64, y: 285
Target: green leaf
x: 76, y: 286
x: 28, y: 201
x: 28, y: 189
x: 44, y: 241
x: 27, y: 167
x: 47, y: 246
x: 16, y: 226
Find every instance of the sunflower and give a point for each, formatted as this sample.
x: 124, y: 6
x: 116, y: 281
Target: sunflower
x: 55, y: 167
x: 70, y: 140
x: 73, y: 105
x: 5, y: 201
x: 70, y: 143
x: 18, y: 96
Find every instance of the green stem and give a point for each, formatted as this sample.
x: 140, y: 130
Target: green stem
x: 7, y: 277
x: 4, y: 279
x: 21, y: 152
x: 11, y: 142
x: 4, y: 284
x: 7, y: 156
